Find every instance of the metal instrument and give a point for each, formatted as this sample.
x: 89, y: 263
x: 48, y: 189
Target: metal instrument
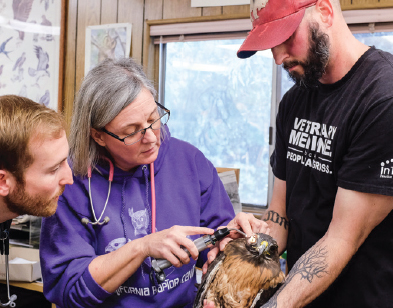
x: 201, y: 243
x: 5, y: 249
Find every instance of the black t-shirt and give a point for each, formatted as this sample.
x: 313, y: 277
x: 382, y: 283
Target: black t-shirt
x: 340, y: 135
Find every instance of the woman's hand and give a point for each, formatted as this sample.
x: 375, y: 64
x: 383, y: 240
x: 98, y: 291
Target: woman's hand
x: 167, y: 244
x: 246, y: 223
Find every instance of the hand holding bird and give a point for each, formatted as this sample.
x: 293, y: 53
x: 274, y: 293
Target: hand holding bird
x: 246, y: 222
x: 245, y: 274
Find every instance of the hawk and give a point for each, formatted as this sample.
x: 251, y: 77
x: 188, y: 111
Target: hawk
x: 43, y: 64
x: 245, y: 274
x: 22, y: 9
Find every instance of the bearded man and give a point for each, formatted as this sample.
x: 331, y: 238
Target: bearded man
x: 33, y: 158
x: 332, y: 201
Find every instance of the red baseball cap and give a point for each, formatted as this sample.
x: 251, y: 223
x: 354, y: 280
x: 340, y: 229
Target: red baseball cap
x: 273, y: 22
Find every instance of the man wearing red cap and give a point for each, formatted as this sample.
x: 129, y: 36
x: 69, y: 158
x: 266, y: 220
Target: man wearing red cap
x: 333, y: 161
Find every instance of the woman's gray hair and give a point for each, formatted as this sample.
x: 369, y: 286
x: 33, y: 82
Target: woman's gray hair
x: 106, y: 90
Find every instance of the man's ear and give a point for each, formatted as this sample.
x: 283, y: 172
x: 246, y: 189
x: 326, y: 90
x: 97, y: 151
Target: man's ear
x: 326, y: 11
x: 97, y: 136
x: 7, y: 181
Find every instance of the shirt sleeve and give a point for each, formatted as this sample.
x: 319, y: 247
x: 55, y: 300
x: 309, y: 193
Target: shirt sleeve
x: 367, y: 163
x: 278, y: 157
x: 65, y: 254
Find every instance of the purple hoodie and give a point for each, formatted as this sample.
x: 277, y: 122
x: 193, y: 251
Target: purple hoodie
x: 188, y: 193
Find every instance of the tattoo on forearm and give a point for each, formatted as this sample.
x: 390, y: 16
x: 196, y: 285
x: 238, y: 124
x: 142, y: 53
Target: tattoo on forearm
x: 276, y: 218
x: 310, y: 265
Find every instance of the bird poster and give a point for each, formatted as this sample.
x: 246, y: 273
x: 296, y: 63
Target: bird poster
x: 107, y: 41
x: 29, y: 49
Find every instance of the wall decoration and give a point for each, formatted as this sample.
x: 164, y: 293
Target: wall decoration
x: 30, y: 48
x: 106, y: 41
x: 206, y: 3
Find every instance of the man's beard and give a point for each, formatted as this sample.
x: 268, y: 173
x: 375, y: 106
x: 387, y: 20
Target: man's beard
x: 317, y: 59
x: 20, y: 202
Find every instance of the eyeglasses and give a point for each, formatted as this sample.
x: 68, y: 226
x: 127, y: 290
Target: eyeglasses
x: 163, y: 117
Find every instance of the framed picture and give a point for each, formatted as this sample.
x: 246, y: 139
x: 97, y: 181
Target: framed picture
x: 106, y: 41
x: 30, y: 39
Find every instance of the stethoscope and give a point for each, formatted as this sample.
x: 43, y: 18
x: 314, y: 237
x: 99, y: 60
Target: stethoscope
x: 98, y: 221
x: 5, y: 249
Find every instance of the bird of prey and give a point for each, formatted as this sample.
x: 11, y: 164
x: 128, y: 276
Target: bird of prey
x: 20, y: 61
x: 2, y: 85
x: 46, y: 4
x: 2, y: 48
x: 35, y: 35
x: 21, y: 9
x: 45, y: 99
x: 43, y: 62
x: 245, y: 274
x: 45, y: 22
x: 23, y: 91
x: 18, y: 65
x: 18, y: 76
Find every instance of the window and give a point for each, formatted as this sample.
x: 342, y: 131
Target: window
x: 226, y: 106
x: 221, y: 104
x: 381, y: 40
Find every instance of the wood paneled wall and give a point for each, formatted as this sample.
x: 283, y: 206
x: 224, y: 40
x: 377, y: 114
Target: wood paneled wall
x: 83, y: 13
x: 365, y: 4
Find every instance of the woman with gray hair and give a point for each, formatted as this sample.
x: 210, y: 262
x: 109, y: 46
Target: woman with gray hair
x: 97, y: 250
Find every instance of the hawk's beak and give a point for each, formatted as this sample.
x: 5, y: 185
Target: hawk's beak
x: 264, y: 245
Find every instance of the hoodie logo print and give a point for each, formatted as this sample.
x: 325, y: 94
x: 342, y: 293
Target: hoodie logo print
x: 139, y: 220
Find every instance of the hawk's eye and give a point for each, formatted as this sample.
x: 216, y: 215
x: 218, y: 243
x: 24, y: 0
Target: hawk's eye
x: 273, y: 249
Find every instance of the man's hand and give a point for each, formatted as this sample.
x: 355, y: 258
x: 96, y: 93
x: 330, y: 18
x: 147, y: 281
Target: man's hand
x: 244, y: 222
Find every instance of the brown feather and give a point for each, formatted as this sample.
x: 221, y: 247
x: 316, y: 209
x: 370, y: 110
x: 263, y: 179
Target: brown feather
x: 241, y: 276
